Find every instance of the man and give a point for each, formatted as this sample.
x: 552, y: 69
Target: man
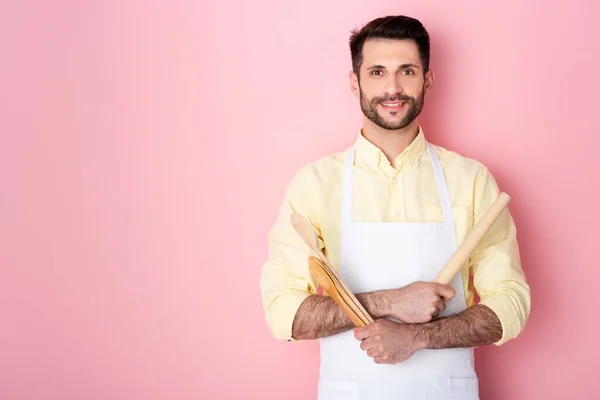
x: 389, y: 212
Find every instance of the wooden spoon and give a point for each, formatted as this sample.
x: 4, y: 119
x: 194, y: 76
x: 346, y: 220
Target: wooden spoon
x: 319, y: 272
x: 308, y: 234
x: 353, y: 308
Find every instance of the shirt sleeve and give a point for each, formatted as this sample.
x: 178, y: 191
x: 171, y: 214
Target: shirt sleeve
x: 285, y: 279
x: 496, y: 265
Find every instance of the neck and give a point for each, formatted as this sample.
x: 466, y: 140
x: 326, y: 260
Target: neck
x: 391, y: 142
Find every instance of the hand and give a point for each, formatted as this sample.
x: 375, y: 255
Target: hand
x: 418, y: 302
x: 388, y: 342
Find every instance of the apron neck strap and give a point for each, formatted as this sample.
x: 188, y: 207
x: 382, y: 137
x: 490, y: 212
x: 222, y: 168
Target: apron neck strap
x: 442, y: 188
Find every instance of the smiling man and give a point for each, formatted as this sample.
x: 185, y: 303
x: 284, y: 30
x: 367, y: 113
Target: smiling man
x: 389, y: 212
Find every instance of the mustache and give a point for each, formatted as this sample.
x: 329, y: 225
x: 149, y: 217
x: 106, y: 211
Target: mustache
x: 396, y: 97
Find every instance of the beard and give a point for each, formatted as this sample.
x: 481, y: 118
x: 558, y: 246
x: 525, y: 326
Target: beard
x: 413, y: 109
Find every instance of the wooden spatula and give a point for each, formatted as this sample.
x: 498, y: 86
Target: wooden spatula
x: 306, y: 231
x: 320, y: 272
x: 347, y: 297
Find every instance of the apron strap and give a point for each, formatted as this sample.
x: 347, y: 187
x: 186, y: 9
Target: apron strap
x: 442, y: 189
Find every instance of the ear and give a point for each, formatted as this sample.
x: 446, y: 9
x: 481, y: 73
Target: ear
x: 429, y: 78
x: 354, y: 85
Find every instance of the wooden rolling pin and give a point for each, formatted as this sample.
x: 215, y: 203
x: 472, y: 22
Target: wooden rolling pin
x: 466, y: 248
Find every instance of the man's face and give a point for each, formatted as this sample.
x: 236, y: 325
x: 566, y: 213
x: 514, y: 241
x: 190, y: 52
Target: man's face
x: 392, y: 85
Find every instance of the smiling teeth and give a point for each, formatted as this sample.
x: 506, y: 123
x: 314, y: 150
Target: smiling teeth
x: 392, y: 104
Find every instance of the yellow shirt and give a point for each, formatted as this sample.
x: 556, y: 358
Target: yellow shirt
x: 407, y: 193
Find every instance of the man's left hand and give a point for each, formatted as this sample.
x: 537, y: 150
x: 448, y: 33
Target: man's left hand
x: 388, y: 342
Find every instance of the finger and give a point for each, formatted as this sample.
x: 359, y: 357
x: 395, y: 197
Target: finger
x: 367, y: 344
x: 375, y: 351
x: 381, y: 359
x: 447, y: 292
x: 362, y: 332
x: 440, y: 305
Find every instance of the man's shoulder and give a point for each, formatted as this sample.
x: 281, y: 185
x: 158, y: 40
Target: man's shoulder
x: 456, y: 161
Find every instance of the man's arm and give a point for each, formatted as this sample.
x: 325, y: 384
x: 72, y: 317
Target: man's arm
x: 477, y: 326
x: 497, y: 277
x: 319, y: 316
x: 495, y: 264
x: 419, y: 302
x: 390, y: 343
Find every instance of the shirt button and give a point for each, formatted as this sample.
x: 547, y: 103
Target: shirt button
x: 395, y: 181
x: 398, y: 212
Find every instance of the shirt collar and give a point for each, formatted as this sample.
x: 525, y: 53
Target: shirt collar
x: 374, y: 157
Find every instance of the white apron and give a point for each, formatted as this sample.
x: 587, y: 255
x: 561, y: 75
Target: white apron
x: 387, y: 255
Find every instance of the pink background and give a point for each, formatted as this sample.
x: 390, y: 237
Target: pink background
x: 136, y: 188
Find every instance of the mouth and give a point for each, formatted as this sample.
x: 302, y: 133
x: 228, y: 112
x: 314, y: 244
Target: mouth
x: 393, y: 106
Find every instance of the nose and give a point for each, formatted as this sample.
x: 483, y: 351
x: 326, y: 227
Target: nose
x: 393, y: 85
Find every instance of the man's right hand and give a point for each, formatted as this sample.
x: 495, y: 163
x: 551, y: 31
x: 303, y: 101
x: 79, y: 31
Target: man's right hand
x: 419, y: 302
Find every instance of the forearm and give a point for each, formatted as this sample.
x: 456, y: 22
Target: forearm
x: 320, y: 316
x: 474, y: 327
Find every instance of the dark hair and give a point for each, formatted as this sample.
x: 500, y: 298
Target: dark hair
x: 391, y: 27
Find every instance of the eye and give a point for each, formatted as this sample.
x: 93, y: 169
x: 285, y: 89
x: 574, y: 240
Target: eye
x: 408, y: 72
x: 376, y: 72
